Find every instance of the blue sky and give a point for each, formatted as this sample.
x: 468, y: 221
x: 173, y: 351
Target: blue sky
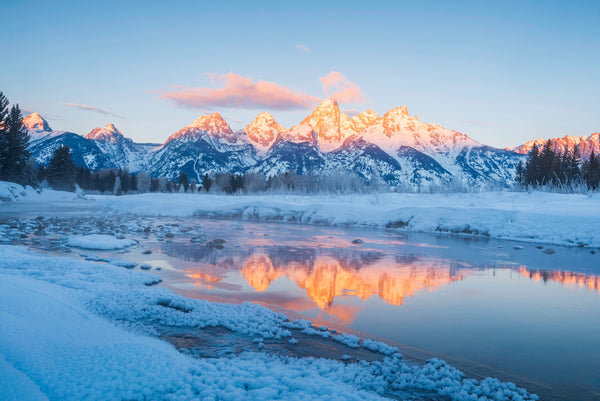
x: 500, y: 72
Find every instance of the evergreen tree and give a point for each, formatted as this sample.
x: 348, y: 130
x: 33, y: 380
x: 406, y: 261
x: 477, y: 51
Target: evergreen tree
x: 520, y: 174
x: 573, y: 163
x: 62, y: 171
x: 532, y: 167
x: 154, y: 184
x: 592, y: 171
x: 13, y: 148
x: 547, y: 164
x: 133, y: 182
x: 183, y: 180
x: 3, y: 138
x: 206, y: 182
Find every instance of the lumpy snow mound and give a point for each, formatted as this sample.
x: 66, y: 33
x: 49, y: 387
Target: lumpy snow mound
x: 12, y: 192
x: 99, y: 241
x: 61, y: 341
x: 565, y: 219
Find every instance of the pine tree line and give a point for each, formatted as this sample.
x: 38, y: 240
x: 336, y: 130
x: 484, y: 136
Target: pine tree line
x: 14, y: 140
x: 547, y: 168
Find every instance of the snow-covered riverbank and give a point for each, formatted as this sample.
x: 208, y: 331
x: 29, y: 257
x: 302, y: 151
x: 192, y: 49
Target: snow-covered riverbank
x: 561, y: 219
x: 550, y: 218
x: 74, y: 330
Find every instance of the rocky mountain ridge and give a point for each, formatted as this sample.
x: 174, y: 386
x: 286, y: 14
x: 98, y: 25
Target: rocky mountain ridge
x: 395, y: 148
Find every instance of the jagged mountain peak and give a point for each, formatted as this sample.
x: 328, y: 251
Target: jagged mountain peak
x: 204, y: 121
x: 109, y: 133
x: 35, y: 122
x: 263, y: 130
x: 364, y: 120
x: 213, y: 125
x: 586, y: 144
x: 331, y: 125
x: 299, y: 133
x: 397, y: 113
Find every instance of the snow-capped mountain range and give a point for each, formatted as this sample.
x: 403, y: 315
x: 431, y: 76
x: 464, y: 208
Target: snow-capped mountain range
x: 586, y: 145
x: 396, y: 148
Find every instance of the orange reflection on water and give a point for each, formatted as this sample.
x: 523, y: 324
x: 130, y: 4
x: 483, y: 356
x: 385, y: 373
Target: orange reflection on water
x: 203, y: 279
x: 325, y: 278
x: 568, y: 279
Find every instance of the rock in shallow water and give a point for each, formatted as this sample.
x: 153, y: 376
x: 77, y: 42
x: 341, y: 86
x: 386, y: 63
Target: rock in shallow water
x: 216, y: 243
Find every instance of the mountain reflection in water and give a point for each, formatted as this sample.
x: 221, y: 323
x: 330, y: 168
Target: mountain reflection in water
x: 323, y: 273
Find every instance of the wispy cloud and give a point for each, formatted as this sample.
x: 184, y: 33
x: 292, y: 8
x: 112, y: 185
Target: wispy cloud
x: 302, y: 47
x: 336, y: 85
x: 92, y: 108
x: 473, y: 122
x: 241, y: 92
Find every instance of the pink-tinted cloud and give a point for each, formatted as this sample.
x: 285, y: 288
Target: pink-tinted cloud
x: 302, y: 47
x: 241, y: 92
x: 338, y: 87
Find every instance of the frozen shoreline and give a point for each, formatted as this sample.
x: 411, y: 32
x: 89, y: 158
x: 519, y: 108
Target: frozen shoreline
x: 549, y: 218
x: 74, y: 329
x: 559, y: 219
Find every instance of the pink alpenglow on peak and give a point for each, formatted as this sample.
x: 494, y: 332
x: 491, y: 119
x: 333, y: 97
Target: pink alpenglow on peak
x: 586, y: 145
x: 364, y: 120
x: 35, y: 122
x: 110, y: 133
x: 263, y: 130
x: 213, y: 125
x: 397, y: 128
x: 331, y: 125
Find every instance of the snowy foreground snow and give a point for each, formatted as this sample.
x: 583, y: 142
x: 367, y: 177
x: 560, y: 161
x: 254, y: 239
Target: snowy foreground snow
x: 562, y: 219
x: 76, y: 330
x: 10, y: 192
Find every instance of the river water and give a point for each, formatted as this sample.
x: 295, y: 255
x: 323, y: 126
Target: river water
x: 517, y: 311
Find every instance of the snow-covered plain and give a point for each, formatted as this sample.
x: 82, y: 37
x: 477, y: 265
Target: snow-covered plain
x: 562, y: 219
x: 81, y: 330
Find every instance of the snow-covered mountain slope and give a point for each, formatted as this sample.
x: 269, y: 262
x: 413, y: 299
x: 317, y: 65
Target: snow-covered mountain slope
x: 38, y: 128
x: 101, y: 148
x: 122, y: 151
x: 110, y: 133
x: 586, y: 144
x: 207, y: 146
x: 86, y: 152
x: 293, y: 154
